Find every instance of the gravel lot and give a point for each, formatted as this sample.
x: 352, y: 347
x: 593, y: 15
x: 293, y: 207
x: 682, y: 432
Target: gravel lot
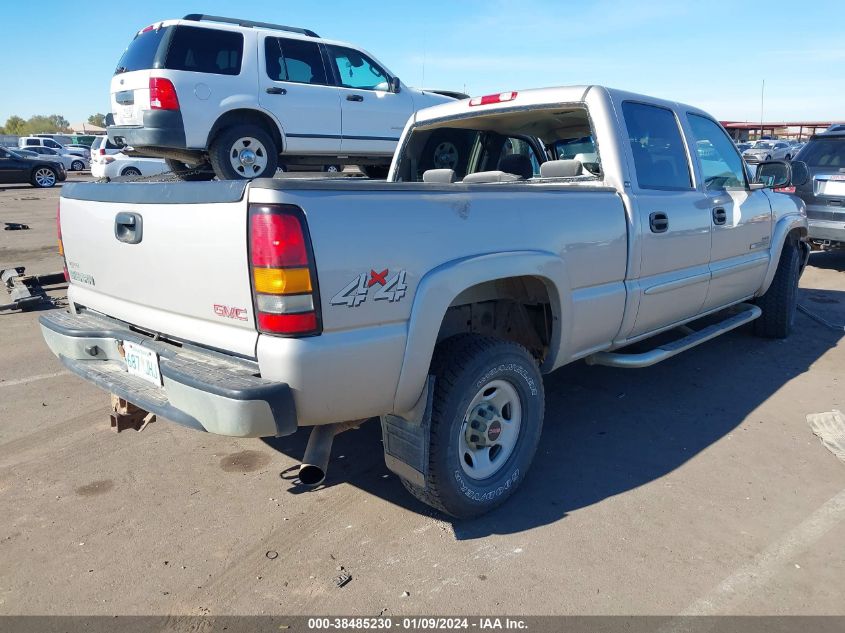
x: 695, y: 486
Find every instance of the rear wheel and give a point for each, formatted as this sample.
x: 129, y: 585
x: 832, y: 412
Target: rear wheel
x: 243, y: 152
x: 77, y: 165
x: 486, y: 421
x: 131, y: 171
x: 781, y: 299
x: 44, y: 177
x: 183, y: 171
x: 334, y: 169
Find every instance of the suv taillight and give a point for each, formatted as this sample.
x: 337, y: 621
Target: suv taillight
x: 163, y: 94
x: 284, y: 282
x: 61, y: 245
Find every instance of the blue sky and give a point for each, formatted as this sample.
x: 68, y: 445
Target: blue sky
x: 58, y: 56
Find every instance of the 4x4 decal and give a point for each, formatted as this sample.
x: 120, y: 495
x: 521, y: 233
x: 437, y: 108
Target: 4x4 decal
x: 355, y: 292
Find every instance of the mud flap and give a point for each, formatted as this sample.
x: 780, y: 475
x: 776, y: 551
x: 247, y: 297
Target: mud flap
x: 407, y: 441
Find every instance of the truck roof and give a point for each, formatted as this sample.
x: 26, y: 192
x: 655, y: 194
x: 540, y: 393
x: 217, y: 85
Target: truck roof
x: 518, y: 99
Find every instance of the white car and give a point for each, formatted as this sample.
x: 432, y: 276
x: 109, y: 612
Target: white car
x: 119, y: 164
x: 71, y: 162
x: 28, y: 142
x: 241, y: 97
x: 768, y: 150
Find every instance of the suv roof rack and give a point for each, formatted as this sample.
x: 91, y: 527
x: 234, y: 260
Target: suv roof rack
x: 201, y: 17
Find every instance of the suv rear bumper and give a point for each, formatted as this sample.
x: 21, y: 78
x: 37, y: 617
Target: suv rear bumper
x: 161, y: 128
x: 204, y: 390
x: 833, y: 231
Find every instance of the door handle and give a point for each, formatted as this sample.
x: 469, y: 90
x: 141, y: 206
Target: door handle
x: 354, y: 98
x: 720, y: 216
x: 658, y: 222
x: 274, y: 90
x: 128, y: 227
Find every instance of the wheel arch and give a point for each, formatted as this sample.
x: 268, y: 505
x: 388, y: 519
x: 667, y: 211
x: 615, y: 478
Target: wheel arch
x: 788, y: 227
x: 454, y: 283
x: 248, y: 115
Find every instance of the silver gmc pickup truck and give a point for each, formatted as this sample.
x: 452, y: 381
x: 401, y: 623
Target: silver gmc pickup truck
x: 516, y: 233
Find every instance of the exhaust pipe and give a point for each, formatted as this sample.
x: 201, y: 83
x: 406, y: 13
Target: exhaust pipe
x: 312, y: 472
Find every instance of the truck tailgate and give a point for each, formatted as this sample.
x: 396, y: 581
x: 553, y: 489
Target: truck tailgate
x: 170, y: 258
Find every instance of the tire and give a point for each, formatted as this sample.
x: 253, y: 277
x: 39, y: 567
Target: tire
x: 44, y: 177
x: 768, y: 158
x: 335, y: 169
x: 131, y: 171
x: 445, y: 150
x: 781, y: 299
x: 468, y: 370
x: 77, y: 165
x: 243, y: 152
x: 189, y: 173
x: 376, y: 172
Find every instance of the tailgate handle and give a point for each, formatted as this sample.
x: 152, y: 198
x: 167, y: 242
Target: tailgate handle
x: 128, y: 227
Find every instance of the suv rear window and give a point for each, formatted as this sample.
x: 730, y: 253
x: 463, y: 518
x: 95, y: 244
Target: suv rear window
x: 205, y: 51
x: 141, y: 52
x: 824, y: 152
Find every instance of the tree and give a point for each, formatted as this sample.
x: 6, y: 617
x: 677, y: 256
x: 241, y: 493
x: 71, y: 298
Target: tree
x: 15, y: 125
x: 98, y: 119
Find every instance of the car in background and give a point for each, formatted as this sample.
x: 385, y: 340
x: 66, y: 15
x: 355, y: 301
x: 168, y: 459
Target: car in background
x: 102, y: 146
x: 83, y: 150
x: 237, y: 98
x: 836, y: 127
x: 744, y: 145
x: 17, y: 168
x: 120, y: 165
x: 767, y: 150
x: 46, y: 141
x: 71, y: 162
x: 795, y: 147
x: 27, y: 153
x: 824, y: 191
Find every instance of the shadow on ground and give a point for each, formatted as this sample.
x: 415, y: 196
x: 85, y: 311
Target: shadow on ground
x: 608, y: 431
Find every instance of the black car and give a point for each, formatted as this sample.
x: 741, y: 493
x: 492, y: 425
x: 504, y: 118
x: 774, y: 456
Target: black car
x: 15, y: 167
x: 824, y: 192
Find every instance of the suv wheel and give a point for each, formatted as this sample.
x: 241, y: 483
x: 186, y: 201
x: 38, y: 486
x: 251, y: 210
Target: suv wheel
x: 44, y: 177
x: 486, y: 421
x: 77, y: 165
x: 184, y: 171
x: 243, y: 152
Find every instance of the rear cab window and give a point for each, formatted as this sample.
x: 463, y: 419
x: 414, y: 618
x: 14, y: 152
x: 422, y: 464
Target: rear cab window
x: 824, y: 153
x: 513, y: 141
x: 660, y: 157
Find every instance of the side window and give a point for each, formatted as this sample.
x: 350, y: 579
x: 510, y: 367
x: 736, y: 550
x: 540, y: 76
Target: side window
x: 660, y: 159
x: 356, y: 70
x: 31, y: 141
x: 202, y: 50
x: 51, y: 143
x: 721, y: 165
x: 3, y: 153
x: 294, y: 60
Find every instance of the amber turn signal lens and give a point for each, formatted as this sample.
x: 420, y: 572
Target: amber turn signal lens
x: 282, y: 281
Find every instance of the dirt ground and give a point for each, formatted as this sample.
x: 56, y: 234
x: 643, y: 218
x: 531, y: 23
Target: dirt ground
x: 695, y: 486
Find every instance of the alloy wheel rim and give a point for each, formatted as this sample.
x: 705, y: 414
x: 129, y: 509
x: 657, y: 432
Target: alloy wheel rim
x: 45, y: 177
x: 446, y: 156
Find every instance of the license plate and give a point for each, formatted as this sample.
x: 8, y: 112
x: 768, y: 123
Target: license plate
x: 142, y: 362
x: 834, y: 188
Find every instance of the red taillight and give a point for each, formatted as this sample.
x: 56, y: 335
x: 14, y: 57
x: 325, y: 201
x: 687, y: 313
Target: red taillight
x: 163, y: 94
x: 277, y: 241
x: 101, y: 152
x: 146, y: 28
x: 785, y: 189
x: 497, y: 98
x: 284, y: 286
x: 61, y: 244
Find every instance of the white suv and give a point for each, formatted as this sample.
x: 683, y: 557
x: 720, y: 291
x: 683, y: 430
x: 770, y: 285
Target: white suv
x: 210, y: 93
